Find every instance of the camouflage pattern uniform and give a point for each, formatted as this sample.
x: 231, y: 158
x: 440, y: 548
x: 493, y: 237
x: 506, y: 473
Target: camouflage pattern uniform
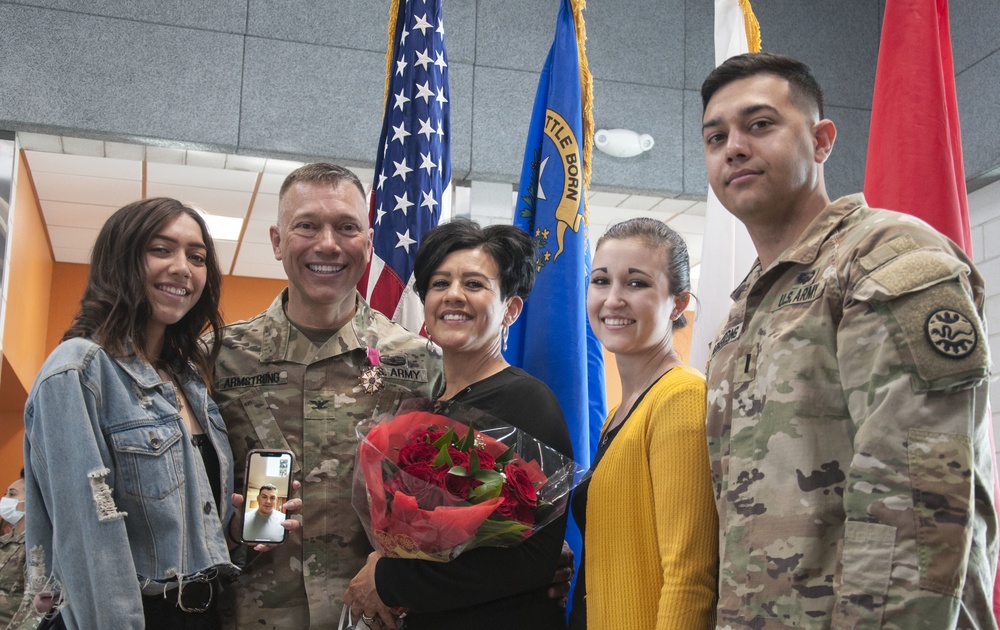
x: 277, y: 389
x: 847, y: 429
x: 16, y: 610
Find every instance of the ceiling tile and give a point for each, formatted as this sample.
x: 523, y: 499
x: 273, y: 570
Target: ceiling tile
x: 83, y: 146
x: 200, y: 177
x: 67, y: 255
x: 68, y: 214
x: 258, y: 232
x: 639, y: 202
x: 226, y: 203
x: 64, y: 164
x: 258, y: 270
x: 265, y: 208
x: 606, y: 198
x: 165, y: 155
x: 698, y: 209
x: 72, y: 237
x: 280, y: 168
x: 673, y: 206
x: 225, y: 250
x: 270, y: 184
x: 39, y: 142
x: 204, y: 158
x: 245, y: 163
x: 257, y: 253
x: 687, y: 223
x: 87, y: 190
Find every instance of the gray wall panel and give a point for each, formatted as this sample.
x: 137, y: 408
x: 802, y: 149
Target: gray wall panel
x: 307, y: 101
x: 228, y: 16
x: 978, y: 94
x: 501, y: 111
x: 695, y: 177
x: 643, y: 109
x: 845, y: 169
x: 110, y: 76
x: 699, y: 42
x: 974, y: 31
x: 460, y: 82
x: 643, y: 43
x: 839, y: 41
x: 515, y: 34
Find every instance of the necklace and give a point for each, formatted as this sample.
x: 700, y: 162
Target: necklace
x: 612, y: 428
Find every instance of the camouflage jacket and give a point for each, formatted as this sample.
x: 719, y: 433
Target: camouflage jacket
x: 277, y: 389
x: 847, y: 428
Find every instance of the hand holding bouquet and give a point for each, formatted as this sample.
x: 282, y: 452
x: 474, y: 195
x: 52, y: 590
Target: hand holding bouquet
x: 431, y: 486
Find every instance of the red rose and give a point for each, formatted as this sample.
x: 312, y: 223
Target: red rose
x: 421, y: 470
x: 520, y: 485
x: 486, y: 461
x: 420, y: 452
x: 458, y: 458
x: 459, y: 486
x: 426, y: 492
x: 427, y: 436
x: 508, y: 504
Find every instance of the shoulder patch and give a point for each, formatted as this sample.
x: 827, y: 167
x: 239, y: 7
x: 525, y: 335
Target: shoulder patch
x: 951, y: 334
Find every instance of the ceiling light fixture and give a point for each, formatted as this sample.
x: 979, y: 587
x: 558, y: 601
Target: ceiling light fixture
x: 622, y: 143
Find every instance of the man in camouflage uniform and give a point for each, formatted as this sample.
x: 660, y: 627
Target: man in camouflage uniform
x: 15, y: 608
x: 291, y: 379
x: 847, y: 392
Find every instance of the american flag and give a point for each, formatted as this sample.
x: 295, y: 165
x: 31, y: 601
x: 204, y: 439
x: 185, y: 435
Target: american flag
x: 413, y: 168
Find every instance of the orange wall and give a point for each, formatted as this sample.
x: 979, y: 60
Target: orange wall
x: 26, y: 318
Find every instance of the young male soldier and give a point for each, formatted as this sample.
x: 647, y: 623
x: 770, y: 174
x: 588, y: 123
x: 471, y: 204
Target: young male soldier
x: 847, y: 396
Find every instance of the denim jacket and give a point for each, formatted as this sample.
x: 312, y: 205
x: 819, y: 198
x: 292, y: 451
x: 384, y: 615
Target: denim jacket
x: 120, y: 501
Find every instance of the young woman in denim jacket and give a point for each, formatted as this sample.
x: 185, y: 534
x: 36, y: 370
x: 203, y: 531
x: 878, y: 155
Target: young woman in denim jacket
x: 129, y: 470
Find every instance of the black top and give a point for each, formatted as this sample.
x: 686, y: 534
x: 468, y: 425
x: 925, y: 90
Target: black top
x: 490, y: 587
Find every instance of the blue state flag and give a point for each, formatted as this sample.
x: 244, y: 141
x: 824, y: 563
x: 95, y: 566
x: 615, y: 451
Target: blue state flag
x: 552, y: 339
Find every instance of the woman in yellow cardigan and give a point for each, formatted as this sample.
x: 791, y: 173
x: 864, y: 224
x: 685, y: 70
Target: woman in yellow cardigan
x: 647, y: 511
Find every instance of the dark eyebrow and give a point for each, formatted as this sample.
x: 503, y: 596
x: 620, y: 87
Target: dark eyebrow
x: 639, y: 271
x: 175, y: 242
x: 749, y: 110
x: 601, y: 269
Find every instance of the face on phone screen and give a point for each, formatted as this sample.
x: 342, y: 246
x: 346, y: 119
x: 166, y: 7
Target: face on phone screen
x: 268, y: 484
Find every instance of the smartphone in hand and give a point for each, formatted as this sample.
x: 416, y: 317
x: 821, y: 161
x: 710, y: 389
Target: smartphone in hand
x: 268, y: 484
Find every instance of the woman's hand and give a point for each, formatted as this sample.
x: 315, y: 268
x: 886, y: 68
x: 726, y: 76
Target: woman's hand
x: 362, y: 597
x: 291, y: 507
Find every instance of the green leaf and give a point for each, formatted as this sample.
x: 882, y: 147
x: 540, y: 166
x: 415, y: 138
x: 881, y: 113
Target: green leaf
x: 474, y: 465
x: 470, y: 438
x: 487, y: 475
x: 443, y: 457
x: 506, y: 457
x: 489, y: 490
x: 446, y: 439
x: 458, y: 471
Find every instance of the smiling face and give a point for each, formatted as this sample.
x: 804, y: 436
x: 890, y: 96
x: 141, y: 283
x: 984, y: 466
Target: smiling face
x: 324, y: 243
x: 629, y: 300
x: 175, y: 272
x: 764, y: 151
x: 463, y: 309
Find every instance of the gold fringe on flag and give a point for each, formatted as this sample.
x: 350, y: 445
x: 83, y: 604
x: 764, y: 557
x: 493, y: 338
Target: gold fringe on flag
x: 752, y: 26
x: 390, y: 50
x: 586, y: 97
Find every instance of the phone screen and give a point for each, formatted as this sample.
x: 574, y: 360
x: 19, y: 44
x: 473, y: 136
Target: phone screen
x: 268, y: 484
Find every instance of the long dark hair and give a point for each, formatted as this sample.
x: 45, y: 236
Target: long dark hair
x: 114, y: 310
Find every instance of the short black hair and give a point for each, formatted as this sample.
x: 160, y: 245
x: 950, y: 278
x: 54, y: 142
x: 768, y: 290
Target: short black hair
x: 510, y: 247
x: 267, y: 486
x: 805, y: 88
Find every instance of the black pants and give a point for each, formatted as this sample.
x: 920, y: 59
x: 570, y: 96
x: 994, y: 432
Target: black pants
x: 163, y: 613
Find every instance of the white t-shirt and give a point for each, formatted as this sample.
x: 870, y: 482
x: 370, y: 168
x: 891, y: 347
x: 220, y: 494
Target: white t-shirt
x: 256, y: 526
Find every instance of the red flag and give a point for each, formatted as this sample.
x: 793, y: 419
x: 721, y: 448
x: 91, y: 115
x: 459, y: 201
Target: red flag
x: 915, y: 141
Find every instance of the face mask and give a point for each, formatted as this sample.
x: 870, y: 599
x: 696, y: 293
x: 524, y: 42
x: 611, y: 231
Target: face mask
x: 9, y: 511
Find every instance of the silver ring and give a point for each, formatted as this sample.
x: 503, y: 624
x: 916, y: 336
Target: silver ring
x: 365, y: 618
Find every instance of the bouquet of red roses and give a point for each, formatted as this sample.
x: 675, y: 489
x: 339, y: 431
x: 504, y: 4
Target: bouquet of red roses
x: 430, y: 486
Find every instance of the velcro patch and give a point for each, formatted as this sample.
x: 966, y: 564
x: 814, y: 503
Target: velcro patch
x: 944, y: 335
x: 908, y: 272
x: 887, y: 251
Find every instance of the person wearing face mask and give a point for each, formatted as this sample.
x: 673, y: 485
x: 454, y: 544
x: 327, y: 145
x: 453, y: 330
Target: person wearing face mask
x: 12, y: 559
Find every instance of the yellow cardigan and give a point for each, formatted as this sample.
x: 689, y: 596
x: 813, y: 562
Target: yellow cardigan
x: 651, y: 540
